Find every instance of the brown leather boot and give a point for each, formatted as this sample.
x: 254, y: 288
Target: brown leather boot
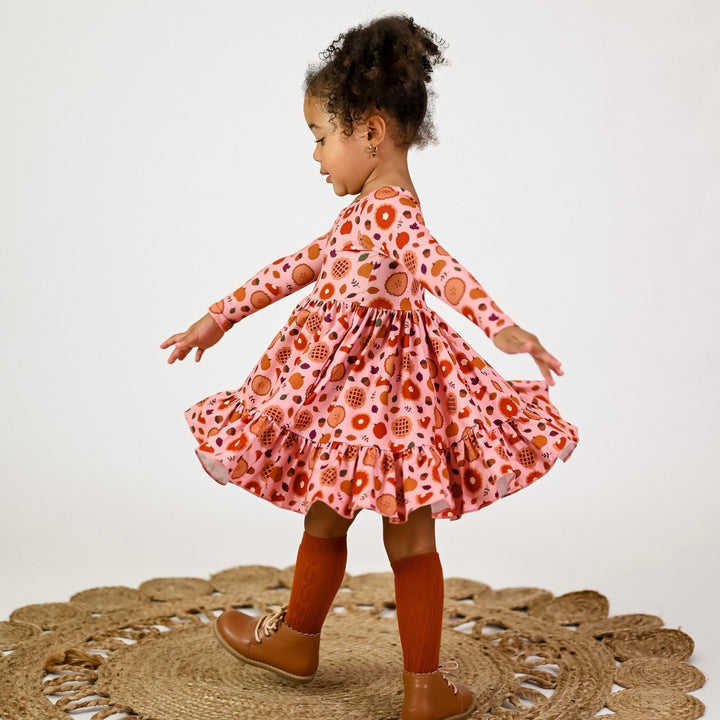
x: 269, y: 643
x: 431, y: 696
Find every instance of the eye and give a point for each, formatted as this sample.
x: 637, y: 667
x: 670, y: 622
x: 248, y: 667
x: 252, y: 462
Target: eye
x: 321, y: 141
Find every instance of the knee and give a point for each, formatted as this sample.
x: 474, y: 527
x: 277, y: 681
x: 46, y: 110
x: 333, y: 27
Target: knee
x: 322, y: 521
x: 414, y: 537
x: 407, y: 547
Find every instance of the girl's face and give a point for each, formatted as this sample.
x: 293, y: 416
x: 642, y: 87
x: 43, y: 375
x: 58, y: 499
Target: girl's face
x: 346, y: 161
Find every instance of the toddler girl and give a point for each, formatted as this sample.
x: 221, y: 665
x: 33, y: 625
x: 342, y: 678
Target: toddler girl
x: 366, y: 399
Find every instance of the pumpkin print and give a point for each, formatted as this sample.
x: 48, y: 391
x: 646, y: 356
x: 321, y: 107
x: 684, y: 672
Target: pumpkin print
x: 368, y: 399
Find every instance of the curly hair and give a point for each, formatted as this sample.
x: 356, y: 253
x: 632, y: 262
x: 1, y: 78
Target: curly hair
x: 385, y: 65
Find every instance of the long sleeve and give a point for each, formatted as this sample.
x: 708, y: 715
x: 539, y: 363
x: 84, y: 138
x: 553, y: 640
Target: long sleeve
x: 280, y: 278
x: 394, y: 225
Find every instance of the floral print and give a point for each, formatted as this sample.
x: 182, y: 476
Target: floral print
x: 366, y: 398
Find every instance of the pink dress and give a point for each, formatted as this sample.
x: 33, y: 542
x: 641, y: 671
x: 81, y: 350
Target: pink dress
x: 366, y: 398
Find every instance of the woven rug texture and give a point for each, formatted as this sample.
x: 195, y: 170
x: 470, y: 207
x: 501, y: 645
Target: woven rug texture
x: 149, y: 653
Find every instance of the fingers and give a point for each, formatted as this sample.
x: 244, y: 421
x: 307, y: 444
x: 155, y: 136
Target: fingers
x: 178, y: 354
x: 548, y: 365
x: 550, y: 359
x: 200, y: 335
x: 545, y: 370
x: 180, y: 351
x: 515, y: 340
x: 171, y: 340
x: 183, y: 343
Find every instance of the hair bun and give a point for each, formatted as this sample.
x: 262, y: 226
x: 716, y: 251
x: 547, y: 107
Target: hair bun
x: 385, y: 65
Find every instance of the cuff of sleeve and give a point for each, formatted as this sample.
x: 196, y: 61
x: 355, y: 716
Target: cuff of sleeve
x: 216, y: 313
x: 496, y: 321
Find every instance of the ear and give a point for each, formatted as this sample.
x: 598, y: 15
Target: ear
x: 376, y: 129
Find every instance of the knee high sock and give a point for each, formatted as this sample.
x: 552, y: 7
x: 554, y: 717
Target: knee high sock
x: 419, y: 601
x: 319, y: 572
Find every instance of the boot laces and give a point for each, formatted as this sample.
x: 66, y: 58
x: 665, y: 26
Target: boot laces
x: 270, y: 623
x: 449, y: 667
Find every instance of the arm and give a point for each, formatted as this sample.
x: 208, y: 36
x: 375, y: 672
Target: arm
x: 395, y: 227
x: 280, y: 278
x: 276, y: 280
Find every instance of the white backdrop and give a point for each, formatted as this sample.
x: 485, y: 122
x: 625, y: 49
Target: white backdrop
x: 153, y: 155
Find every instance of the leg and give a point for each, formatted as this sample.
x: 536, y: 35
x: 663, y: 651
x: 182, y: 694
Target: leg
x: 418, y: 588
x: 322, y: 521
x: 419, y: 601
x: 319, y: 569
x: 416, y: 536
x: 287, y: 642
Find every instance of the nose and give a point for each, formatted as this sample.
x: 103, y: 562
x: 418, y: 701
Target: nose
x: 316, y: 152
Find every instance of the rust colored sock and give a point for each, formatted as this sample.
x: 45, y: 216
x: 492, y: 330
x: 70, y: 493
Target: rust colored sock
x: 319, y: 571
x: 419, y: 594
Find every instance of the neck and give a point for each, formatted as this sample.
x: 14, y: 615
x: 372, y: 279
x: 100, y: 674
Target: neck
x: 391, y: 168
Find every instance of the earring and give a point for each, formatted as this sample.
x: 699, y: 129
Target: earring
x: 373, y: 150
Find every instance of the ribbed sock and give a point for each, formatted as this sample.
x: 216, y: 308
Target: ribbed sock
x: 419, y: 594
x: 319, y: 571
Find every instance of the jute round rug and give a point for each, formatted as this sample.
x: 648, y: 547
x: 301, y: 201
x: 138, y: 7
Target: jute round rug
x: 150, y: 654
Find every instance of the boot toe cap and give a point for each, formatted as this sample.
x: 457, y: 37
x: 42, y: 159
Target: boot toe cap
x: 430, y: 697
x: 236, y: 628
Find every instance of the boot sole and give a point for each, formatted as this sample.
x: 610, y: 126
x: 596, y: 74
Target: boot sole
x: 464, y: 713
x: 295, y: 679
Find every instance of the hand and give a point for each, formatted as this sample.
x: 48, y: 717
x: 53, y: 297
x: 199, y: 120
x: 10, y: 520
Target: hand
x: 514, y: 339
x: 202, y: 334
